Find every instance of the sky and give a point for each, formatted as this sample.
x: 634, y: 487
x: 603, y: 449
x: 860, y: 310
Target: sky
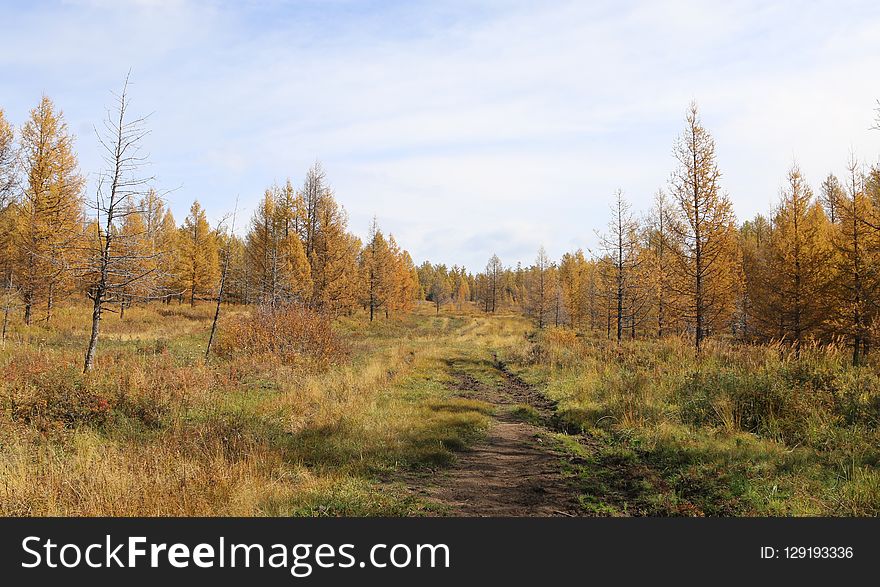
x: 466, y: 128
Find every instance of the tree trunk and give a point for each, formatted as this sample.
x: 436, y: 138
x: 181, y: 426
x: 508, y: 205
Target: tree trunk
x: 50, y: 298
x: 96, y: 324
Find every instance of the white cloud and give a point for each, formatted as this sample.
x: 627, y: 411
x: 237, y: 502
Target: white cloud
x: 467, y: 128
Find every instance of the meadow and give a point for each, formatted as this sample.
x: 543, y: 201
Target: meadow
x: 739, y: 430
x: 646, y: 428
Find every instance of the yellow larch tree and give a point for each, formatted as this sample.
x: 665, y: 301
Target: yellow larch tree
x: 857, y: 275
x: 198, y: 255
x: 707, y: 257
x: 334, y: 259
x: 50, y: 212
x: 793, y: 287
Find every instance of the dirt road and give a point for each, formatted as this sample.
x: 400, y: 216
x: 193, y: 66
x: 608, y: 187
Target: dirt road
x: 515, y: 470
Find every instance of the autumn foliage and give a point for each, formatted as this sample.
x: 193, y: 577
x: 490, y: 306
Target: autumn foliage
x: 292, y: 334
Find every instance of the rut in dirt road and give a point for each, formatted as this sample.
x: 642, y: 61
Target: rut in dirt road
x: 514, y: 471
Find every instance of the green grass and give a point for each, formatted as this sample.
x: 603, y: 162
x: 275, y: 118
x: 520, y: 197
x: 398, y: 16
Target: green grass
x: 742, y: 430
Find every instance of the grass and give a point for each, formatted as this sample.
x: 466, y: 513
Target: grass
x: 154, y: 431
x: 645, y: 429
x: 741, y: 430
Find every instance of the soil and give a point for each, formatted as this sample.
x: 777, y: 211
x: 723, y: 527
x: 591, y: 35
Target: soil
x: 515, y: 470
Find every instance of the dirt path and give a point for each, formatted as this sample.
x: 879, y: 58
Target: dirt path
x: 514, y: 471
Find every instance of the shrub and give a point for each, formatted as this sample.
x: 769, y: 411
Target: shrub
x: 57, y: 396
x: 293, y: 334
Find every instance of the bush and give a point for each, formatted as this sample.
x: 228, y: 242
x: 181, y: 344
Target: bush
x: 293, y: 334
x: 58, y: 396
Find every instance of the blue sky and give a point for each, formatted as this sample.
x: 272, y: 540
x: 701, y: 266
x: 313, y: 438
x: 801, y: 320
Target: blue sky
x: 467, y: 127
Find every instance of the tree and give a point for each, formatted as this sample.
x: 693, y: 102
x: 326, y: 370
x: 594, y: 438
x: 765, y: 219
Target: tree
x: 376, y: 270
x: 441, y: 290
x: 404, y: 279
x: 573, y: 283
x: 118, y: 185
x: 855, y: 243
x: 794, y: 279
x: 50, y: 214
x: 313, y: 192
x: 280, y: 269
x: 660, y: 244
x: 8, y: 192
x: 621, y: 248
x: 831, y: 194
x: 334, y: 259
x: 541, y: 288
x: 137, y: 258
x: 753, y: 238
x: 706, y: 254
x: 460, y: 286
x: 494, y: 270
x: 8, y: 162
x: 169, y: 262
x: 198, y: 255
x: 228, y: 240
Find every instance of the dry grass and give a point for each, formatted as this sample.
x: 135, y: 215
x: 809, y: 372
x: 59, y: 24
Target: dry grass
x: 740, y: 430
x: 153, y: 431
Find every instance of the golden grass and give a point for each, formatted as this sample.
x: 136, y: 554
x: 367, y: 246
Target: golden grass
x: 155, y: 432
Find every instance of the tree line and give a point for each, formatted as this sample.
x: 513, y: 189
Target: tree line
x: 122, y: 245
x: 807, y: 272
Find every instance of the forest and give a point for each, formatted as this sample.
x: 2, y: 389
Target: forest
x: 277, y: 364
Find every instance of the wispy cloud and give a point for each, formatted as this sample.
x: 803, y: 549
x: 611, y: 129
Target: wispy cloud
x: 466, y: 127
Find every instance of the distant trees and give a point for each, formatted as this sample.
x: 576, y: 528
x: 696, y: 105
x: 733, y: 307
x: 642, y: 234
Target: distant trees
x: 440, y: 290
x: 461, y: 289
x: 494, y: 271
x: 279, y: 271
x: 123, y: 246
x: 576, y: 282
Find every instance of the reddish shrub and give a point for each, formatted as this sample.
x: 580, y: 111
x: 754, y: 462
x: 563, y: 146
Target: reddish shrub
x: 293, y: 334
x: 58, y: 395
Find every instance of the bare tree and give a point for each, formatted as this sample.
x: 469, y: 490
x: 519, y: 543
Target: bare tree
x: 226, y: 253
x: 539, y: 290
x: 493, y: 273
x: 621, y: 246
x: 120, y: 183
x: 314, y: 190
